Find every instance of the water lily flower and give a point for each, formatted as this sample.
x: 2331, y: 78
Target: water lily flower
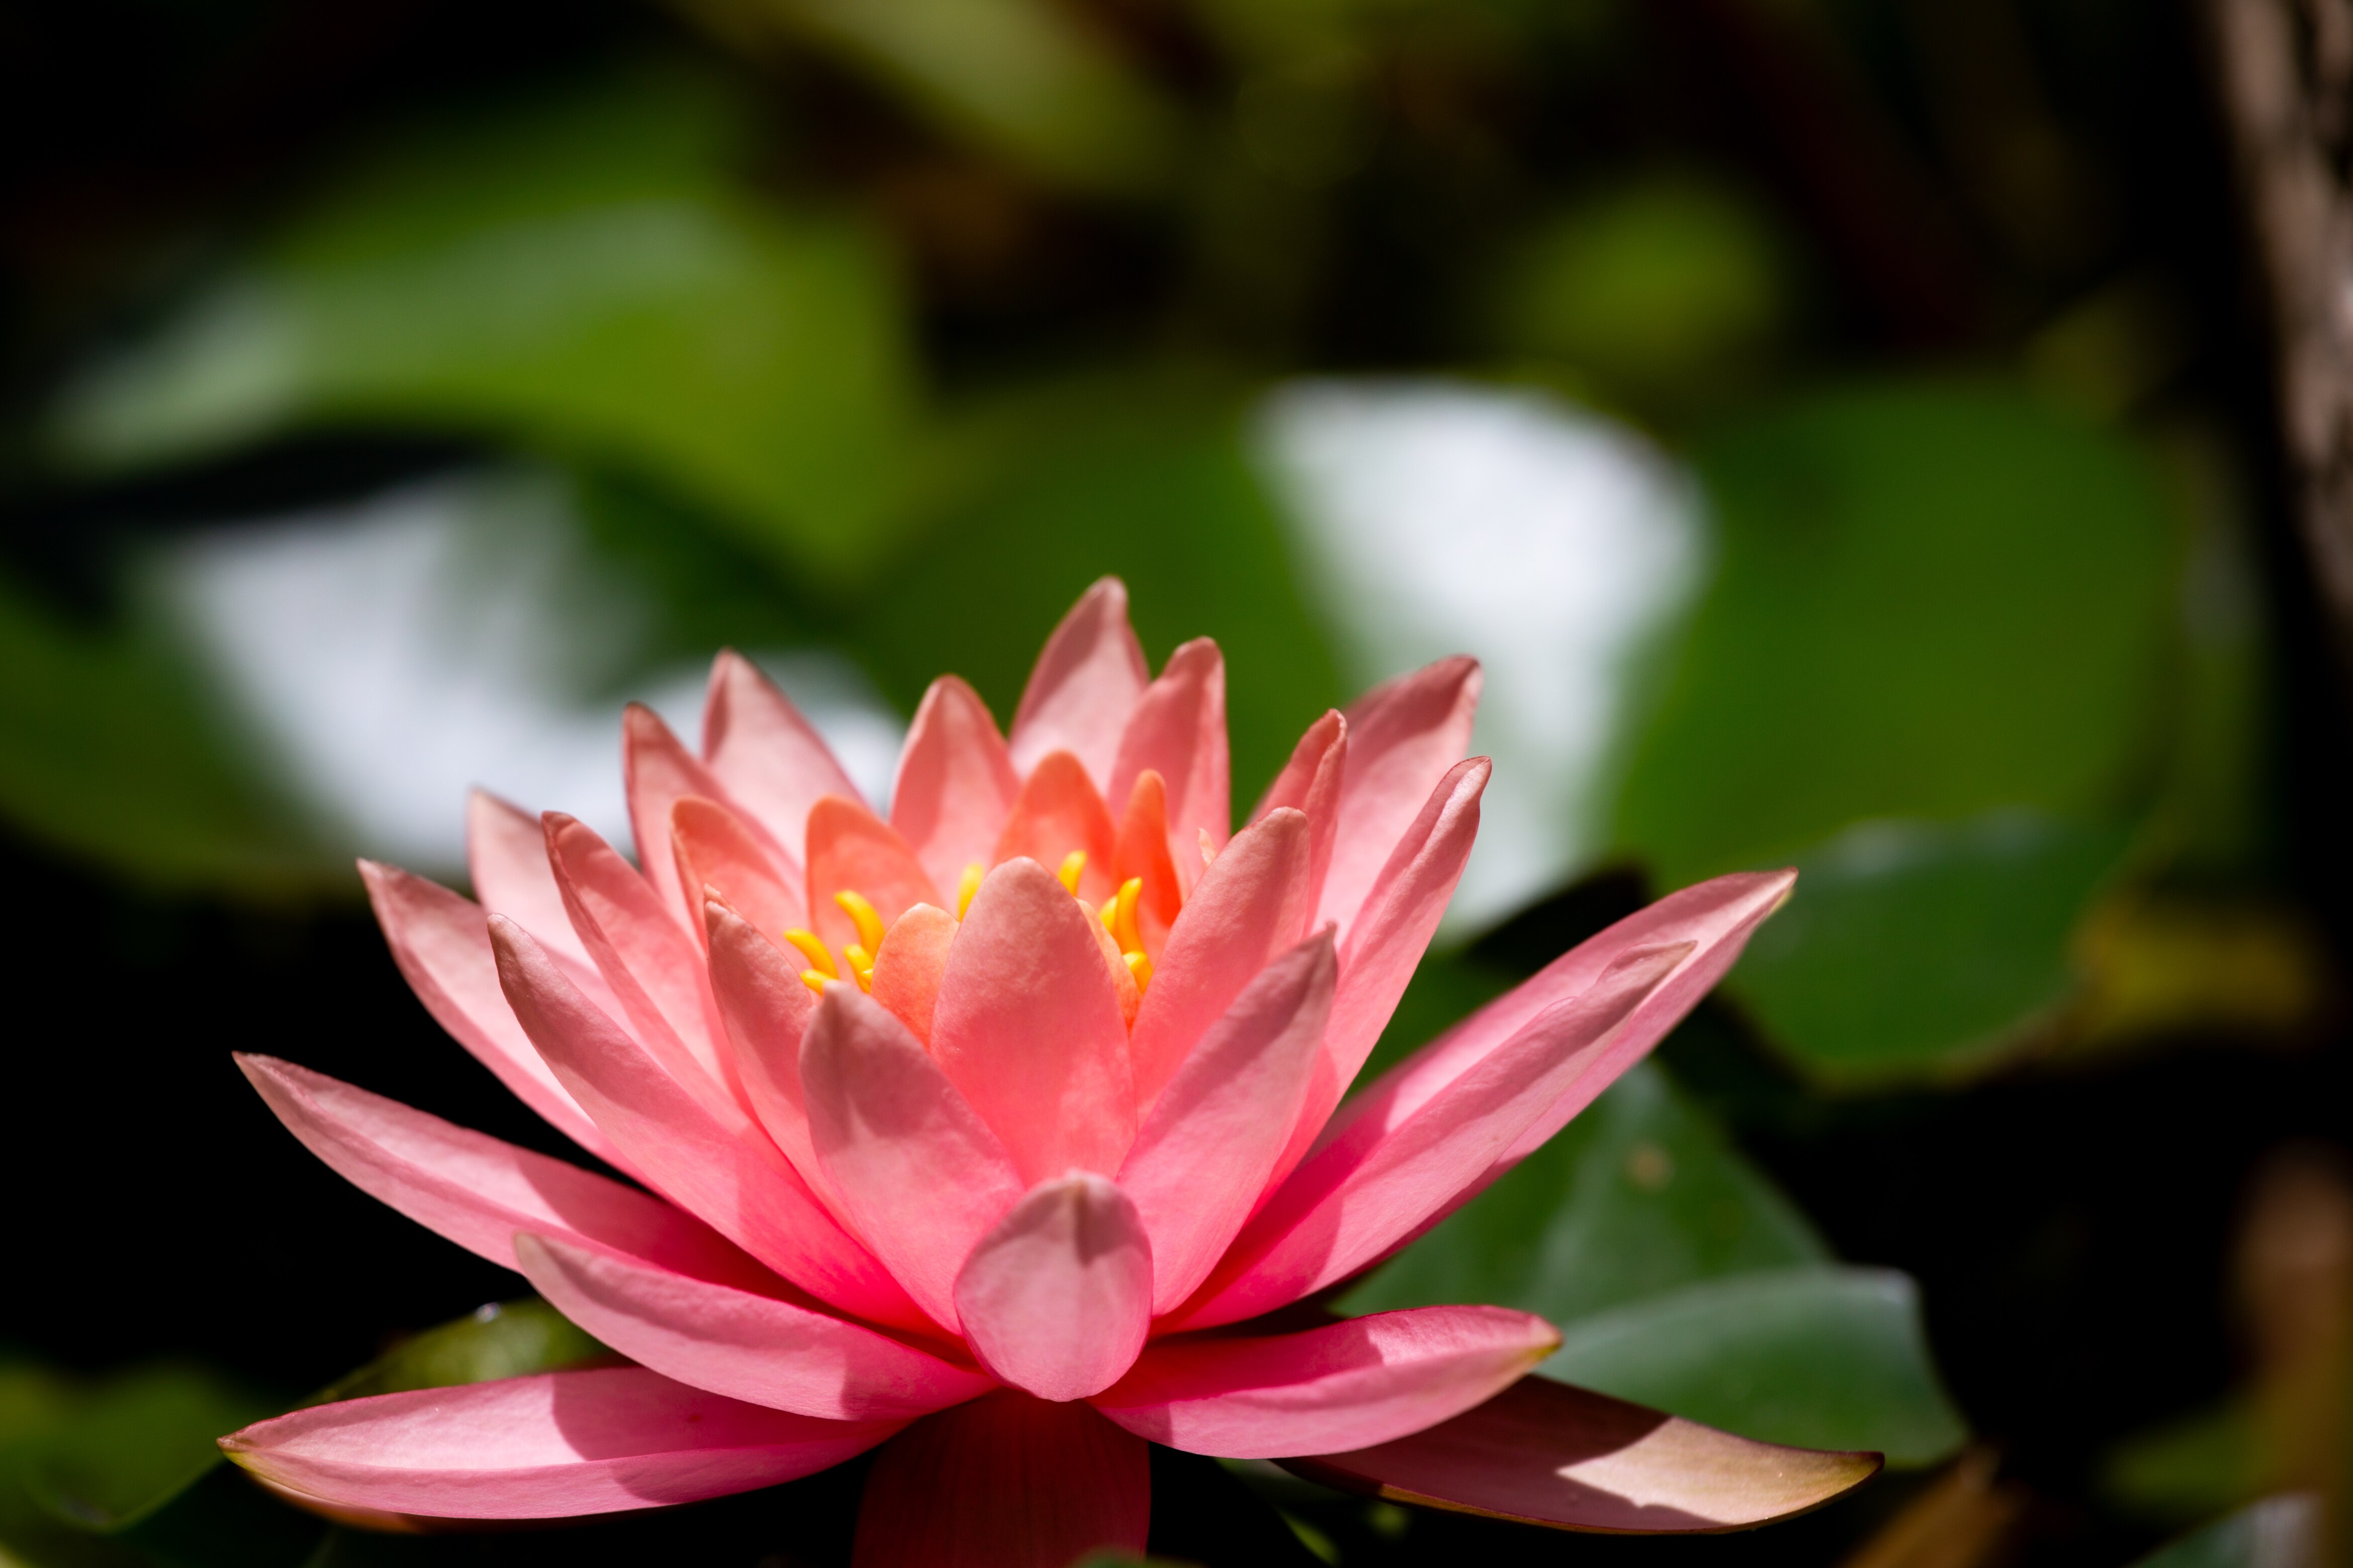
x: 999, y: 1133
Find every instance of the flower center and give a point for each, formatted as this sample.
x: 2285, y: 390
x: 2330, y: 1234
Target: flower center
x: 1117, y: 914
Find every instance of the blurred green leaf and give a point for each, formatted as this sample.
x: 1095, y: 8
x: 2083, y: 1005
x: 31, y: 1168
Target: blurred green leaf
x: 1638, y: 1195
x: 133, y: 1442
x: 1446, y: 987
x: 1022, y: 79
x: 2278, y: 1532
x: 1032, y: 499
x: 1930, y: 601
x: 111, y: 754
x: 578, y: 271
x: 2191, y: 1468
x: 1820, y: 1356
x: 500, y: 1338
x: 1913, y: 947
x: 1664, y: 287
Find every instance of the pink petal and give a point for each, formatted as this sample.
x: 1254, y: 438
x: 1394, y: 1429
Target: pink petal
x: 745, y: 1345
x: 1007, y: 1481
x: 1085, y: 683
x: 1403, y: 736
x: 1363, y: 1382
x: 1204, y: 1153
x: 653, y: 967
x: 767, y: 1009
x: 956, y: 782
x: 919, y: 1173
x: 1378, y: 1182
x: 443, y: 947
x: 772, y: 762
x: 1028, y: 1026
x: 714, y: 850
x: 549, y: 1447
x: 1393, y: 929
x: 703, y: 1153
x: 506, y: 856
x: 851, y: 849
x: 1178, y: 730
x: 1057, y: 812
x: 478, y: 1191
x: 1717, y: 916
x: 1545, y: 1452
x: 1311, y: 781
x: 658, y: 773
x: 1058, y: 1298
x: 907, y: 970
x: 1248, y: 906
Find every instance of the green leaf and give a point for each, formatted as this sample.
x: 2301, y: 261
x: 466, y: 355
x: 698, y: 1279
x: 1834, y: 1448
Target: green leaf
x: 2278, y: 1532
x: 1033, y: 498
x: 1638, y: 1195
x: 111, y: 754
x: 577, y: 271
x: 1930, y: 601
x: 2191, y: 1468
x: 1914, y: 949
x: 500, y: 1338
x: 134, y: 1442
x: 1819, y: 1356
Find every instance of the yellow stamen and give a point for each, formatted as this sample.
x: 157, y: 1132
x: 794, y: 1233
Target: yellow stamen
x: 820, y: 961
x: 1123, y: 932
x: 862, y: 915
x: 1109, y: 914
x: 861, y: 965
x: 1072, y: 864
x: 1139, y: 966
x: 814, y: 981
x: 968, y: 887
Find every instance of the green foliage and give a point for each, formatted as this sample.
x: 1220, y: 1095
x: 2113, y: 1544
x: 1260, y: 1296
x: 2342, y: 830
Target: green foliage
x: 1681, y: 1278
x: 501, y: 1338
x: 580, y: 274
x: 1915, y: 948
x: 1034, y: 499
x: 2191, y: 1468
x: 2278, y: 1532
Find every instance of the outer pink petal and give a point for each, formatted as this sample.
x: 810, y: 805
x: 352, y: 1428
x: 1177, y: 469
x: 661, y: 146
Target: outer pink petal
x: 1718, y: 917
x: 703, y: 1154
x: 442, y: 944
x: 1178, y: 730
x: 658, y: 773
x: 1028, y: 1026
x: 1359, y: 1195
x: 714, y: 850
x: 747, y: 1346
x: 1058, y: 1298
x: 1084, y: 685
x: 773, y: 761
x: 1393, y: 930
x: 1203, y: 1154
x: 1545, y: 1452
x: 956, y: 782
x: 1403, y: 736
x: 653, y: 966
x: 506, y: 856
x: 549, y: 1447
x: 919, y: 1173
x: 1311, y: 781
x: 1248, y: 906
x: 1008, y: 1481
x: 479, y: 1192
x: 1363, y: 1382
x: 767, y: 1011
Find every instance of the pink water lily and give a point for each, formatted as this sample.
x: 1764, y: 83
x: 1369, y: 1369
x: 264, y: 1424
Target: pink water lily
x: 995, y: 1132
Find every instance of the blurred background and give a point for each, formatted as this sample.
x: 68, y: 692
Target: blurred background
x: 1841, y: 426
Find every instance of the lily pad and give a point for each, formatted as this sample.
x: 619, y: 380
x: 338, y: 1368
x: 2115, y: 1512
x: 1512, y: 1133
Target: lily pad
x: 1920, y: 948
x: 1816, y: 1357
